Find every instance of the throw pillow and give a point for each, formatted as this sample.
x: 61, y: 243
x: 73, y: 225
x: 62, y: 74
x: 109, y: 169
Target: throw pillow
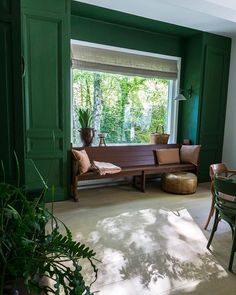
x: 168, y: 156
x: 83, y: 160
x: 190, y: 154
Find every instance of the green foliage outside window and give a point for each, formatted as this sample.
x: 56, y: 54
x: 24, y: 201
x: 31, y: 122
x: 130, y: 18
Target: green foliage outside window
x: 127, y: 108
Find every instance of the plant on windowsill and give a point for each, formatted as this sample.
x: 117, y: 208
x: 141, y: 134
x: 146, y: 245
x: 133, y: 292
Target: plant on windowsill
x: 30, y: 254
x: 85, y: 118
x: 159, y: 137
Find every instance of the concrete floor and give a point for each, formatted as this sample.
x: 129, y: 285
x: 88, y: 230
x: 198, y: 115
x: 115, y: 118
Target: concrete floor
x: 150, y: 243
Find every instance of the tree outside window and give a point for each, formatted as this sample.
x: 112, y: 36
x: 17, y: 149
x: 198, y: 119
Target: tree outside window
x: 127, y: 108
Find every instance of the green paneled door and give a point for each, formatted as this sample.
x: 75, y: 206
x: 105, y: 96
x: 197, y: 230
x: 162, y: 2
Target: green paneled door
x: 213, y: 107
x: 201, y: 117
x: 11, y: 115
x: 46, y: 41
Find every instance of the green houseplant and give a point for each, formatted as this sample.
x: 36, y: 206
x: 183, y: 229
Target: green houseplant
x: 159, y: 137
x: 29, y: 252
x: 85, y: 118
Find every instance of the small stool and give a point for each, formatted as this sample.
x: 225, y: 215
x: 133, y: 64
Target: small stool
x: 179, y: 182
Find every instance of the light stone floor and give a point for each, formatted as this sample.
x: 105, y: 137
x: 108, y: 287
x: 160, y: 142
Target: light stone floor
x: 150, y: 243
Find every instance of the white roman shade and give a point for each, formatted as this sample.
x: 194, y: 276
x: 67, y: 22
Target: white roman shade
x: 111, y: 61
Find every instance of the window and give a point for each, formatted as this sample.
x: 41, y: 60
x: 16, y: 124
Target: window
x: 128, y: 101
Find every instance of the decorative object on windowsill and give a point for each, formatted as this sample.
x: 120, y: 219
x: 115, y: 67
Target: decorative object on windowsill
x: 159, y: 138
x: 186, y: 141
x: 184, y: 94
x: 102, y: 137
x: 85, y: 117
x: 87, y: 135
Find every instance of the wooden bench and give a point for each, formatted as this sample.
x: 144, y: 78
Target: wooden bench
x: 135, y: 160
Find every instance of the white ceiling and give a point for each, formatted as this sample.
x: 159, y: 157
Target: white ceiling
x: 215, y: 16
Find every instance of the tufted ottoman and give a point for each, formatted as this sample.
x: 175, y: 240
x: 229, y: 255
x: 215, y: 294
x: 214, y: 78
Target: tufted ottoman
x: 179, y: 182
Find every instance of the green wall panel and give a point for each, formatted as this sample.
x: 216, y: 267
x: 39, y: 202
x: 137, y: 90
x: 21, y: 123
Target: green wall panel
x: 191, y: 76
x: 217, y: 41
x: 50, y: 168
x: 46, y: 33
x: 213, y: 107
x: 46, y: 41
x: 96, y: 31
x: 5, y: 7
x: 201, y: 117
x: 56, y: 7
x: 11, y: 127
x: 208, y: 156
x: 6, y: 95
x: 205, y: 65
x: 128, y: 20
x: 44, y: 95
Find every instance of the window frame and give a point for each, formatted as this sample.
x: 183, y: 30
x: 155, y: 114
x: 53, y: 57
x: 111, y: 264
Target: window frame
x: 173, y: 88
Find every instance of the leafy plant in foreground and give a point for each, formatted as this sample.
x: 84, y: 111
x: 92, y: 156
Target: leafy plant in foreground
x: 29, y: 253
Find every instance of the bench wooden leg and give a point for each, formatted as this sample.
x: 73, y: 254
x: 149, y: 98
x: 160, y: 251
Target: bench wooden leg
x: 135, y: 181
x: 75, y: 192
x: 140, y: 186
x: 143, y: 182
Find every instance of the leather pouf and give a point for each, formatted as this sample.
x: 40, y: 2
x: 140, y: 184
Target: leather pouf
x: 179, y: 182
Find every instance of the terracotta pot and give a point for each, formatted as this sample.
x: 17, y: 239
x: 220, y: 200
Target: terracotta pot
x: 87, y: 135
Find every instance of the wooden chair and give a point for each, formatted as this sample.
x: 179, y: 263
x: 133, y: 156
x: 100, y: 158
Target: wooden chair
x: 225, y: 208
x: 216, y: 169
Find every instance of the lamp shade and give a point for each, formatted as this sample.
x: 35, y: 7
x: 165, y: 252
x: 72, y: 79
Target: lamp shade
x: 180, y: 97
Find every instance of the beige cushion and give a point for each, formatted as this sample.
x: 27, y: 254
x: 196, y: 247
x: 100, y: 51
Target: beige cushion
x: 168, y: 156
x: 83, y: 160
x: 190, y: 154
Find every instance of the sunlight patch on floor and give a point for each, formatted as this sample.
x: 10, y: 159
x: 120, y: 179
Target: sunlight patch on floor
x: 150, y: 251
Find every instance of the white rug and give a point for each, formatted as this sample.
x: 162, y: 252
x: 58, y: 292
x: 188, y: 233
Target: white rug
x: 151, y: 252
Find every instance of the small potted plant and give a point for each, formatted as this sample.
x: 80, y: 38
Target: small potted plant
x: 85, y: 118
x: 159, y: 137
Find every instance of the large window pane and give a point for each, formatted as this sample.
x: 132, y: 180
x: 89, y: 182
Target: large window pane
x: 127, y: 108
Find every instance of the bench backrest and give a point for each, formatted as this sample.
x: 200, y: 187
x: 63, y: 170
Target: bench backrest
x: 126, y: 156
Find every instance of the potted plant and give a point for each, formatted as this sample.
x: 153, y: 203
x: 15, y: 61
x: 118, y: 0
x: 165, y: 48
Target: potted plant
x: 85, y: 118
x: 159, y: 137
x: 30, y: 253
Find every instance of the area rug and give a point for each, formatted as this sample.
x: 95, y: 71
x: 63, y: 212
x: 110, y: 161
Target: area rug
x: 151, y: 251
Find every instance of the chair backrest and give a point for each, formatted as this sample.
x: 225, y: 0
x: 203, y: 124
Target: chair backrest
x: 217, y: 169
x: 225, y: 197
x: 214, y: 170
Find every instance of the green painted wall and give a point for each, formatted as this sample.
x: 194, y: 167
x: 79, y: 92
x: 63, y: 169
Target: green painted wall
x: 46, y: 49
x: 128, y: 20
x: 96, y: 31
x: 205, y: 65
x: 202, y: 117
x: 191, y: 76
x: 45, y: 134
x: 104, y: 26
x: 11, y: 109
x: 213, y: 100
